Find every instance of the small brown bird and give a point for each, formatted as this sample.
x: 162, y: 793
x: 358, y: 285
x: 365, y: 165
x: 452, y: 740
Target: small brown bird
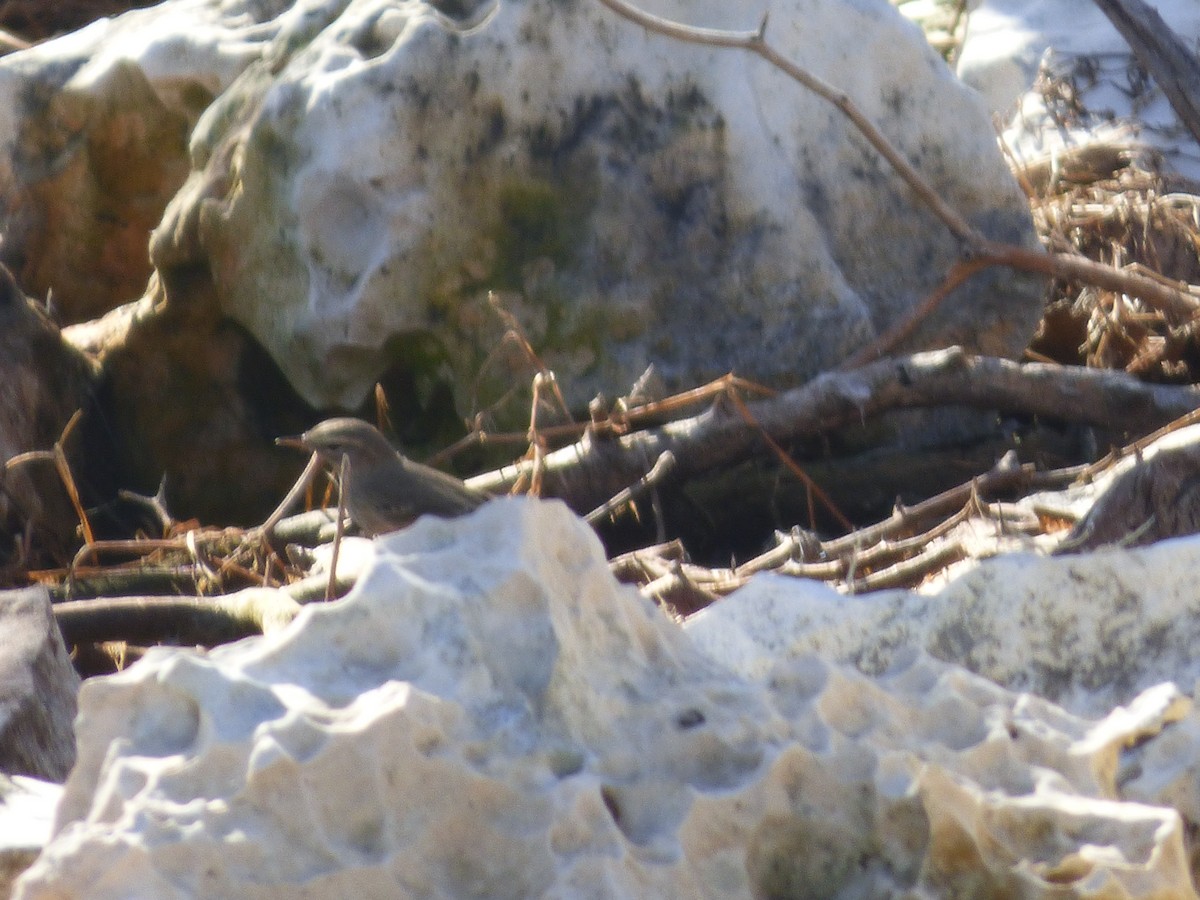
x: 384, y: 490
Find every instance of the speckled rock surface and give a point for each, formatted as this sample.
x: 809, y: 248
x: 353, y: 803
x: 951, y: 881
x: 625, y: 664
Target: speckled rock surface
x: 363, y: 173
x: 522, y: 726
x: 1085, y: 631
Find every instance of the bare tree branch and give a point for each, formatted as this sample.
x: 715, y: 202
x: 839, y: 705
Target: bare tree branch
x: 593, y: 469
x: 183, y: 620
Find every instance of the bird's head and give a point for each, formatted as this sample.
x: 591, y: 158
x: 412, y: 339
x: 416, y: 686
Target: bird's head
x: 335, y: 438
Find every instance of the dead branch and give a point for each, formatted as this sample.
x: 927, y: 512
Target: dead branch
x: 1006, y: 475
x: 658, y: 472
x: 914, y: 545
x: 180, y: 620
x: 308, y: 529
x: 132, y: 580
x: 632, y: 566
x: 593, y: 469
x: 909, y: 572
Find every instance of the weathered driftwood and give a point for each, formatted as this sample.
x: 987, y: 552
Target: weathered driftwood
x: 177, y: 620
x: 910, y: 546
x: 596, y: 468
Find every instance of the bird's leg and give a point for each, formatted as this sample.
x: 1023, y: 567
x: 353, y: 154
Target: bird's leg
x: 343, y: 472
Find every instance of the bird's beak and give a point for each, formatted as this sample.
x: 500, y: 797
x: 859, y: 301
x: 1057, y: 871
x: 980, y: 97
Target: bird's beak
x: 297, y: 441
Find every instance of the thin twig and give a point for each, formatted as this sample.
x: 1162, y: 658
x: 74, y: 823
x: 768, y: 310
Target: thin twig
x: 58, y: 456
x: 889, y: 340
x: 785, y: 458
x: 156, y: 505
x: 537, y: 444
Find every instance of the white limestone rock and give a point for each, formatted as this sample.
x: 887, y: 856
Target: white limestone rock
x: 1087, y: 632
x: 26, y: 815
x: 651, y: 201
x: 489, y: 714
x: 379, y: 165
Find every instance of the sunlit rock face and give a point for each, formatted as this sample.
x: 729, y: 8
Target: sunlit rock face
x: 1087, y: 632
x: 489, y: 713
x: 362, y: 174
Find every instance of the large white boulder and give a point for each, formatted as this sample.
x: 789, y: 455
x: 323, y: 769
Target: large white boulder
x: 377, y: 166
x: 490, y: 714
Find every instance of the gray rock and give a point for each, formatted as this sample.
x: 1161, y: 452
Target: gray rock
x: 43, y: 381
x: 38, y: 687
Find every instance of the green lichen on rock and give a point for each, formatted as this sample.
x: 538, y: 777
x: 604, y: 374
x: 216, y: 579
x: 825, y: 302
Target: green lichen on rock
x: 534, y: 222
